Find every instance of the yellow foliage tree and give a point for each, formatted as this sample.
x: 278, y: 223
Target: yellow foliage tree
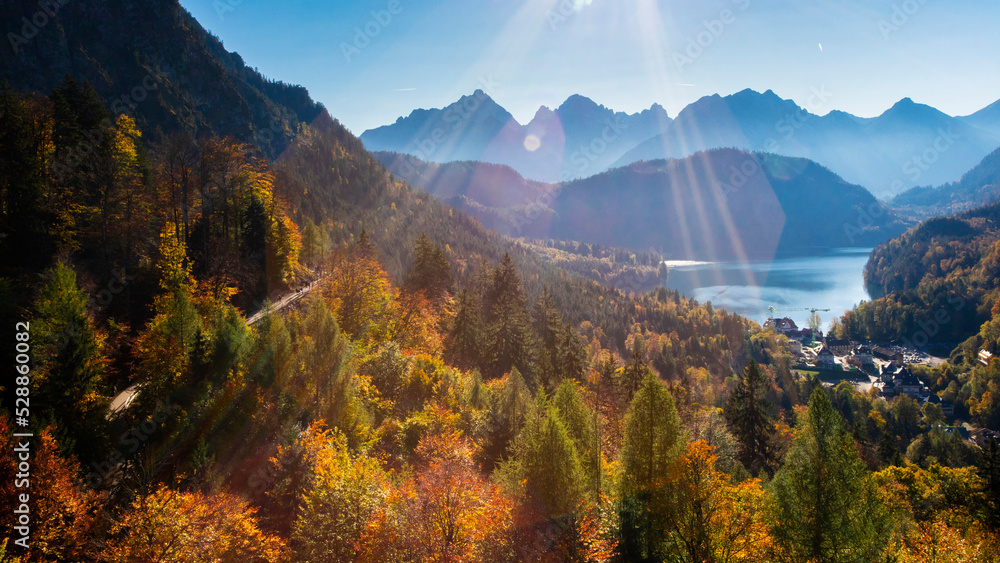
x: 348, y: 491
x: 283, y: 245
x: 716, y: 521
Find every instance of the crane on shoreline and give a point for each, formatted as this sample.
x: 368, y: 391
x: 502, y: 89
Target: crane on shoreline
x: 772, y: 312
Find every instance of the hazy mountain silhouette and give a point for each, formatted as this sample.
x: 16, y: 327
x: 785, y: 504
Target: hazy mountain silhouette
x: 977, y: 187
x: 577, y: 139
x: 909, y: 145
x: 721, y: 204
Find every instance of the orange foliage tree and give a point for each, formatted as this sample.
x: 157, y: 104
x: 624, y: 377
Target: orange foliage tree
x: 171, y: 525
x: 62, y: 510
x: 449, y: 501
x: 347, y: 491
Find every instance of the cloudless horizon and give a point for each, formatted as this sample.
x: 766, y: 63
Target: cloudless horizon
x: 370, y: 62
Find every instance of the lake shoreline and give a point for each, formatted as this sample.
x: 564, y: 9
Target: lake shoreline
x: 792, y: 284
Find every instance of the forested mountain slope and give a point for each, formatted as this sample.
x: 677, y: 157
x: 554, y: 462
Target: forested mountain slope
x: 979, y: 186
x: 941, y: 274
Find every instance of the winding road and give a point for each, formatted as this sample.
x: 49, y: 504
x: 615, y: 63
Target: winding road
x: 122, y: 400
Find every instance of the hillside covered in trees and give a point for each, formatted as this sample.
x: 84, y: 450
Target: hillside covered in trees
x: 444, y: 394
x: 939, y: 290
x: 944, y: 270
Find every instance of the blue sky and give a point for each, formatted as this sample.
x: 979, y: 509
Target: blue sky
x: 370, y: 61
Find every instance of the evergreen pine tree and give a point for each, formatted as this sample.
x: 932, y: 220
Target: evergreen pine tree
x: 826, y: 505
x: 24, y: 218
x: 463, y: 346
x: 989, y: 472
x: 749, y: 417
x: 508, y: 328
x: 69, y: 385
x: 507, y: 413
x: 572, y: 354
x: 430, y: 272
x: 547, y: 321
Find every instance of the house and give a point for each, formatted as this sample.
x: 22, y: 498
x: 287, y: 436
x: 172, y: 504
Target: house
x: 886, y: 354
x: 985, y: 357
x: 826, y: 359
x: 795, y: 347
x: 907, y: 383
x: 838, y: 347
x: 983, y: 436
x: 782, y: 326
x: 864, y: 355
x: 888, y: 371
x: 896, y: 379
x: 804, y: 335
x: 891, y: 368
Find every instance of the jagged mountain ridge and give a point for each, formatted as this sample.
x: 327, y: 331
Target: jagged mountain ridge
x: 910, y: 144
x: 575, y: 140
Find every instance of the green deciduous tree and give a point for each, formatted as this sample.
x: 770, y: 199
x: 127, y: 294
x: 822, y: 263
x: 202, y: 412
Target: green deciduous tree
x: 651, y: 445
x: 579, y: 422
x: 549, y: 465
x: 347, y: 492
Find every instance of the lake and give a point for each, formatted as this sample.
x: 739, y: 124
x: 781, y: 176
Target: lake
x: 831, y: 280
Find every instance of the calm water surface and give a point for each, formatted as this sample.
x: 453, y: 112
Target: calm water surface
x: 831, y: 280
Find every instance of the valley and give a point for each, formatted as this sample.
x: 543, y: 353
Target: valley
x: 752, y: 331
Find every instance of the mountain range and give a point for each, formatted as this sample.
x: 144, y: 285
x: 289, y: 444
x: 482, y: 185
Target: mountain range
x: 723, y: 204
x: 909, y: 145
x: 578, y: 139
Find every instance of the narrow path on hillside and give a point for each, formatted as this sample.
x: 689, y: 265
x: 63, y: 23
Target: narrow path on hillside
x: 122, y: 400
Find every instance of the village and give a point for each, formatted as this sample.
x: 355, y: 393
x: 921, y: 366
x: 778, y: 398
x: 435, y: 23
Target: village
x: 885, y: 368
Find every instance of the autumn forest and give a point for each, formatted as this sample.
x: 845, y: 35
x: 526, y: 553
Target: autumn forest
x: 250, y: 342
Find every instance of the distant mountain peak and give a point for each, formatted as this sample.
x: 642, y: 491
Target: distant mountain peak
x: 544, y: 113
x: 903, y: 105
x: 575, y: 99
x: 910, y: 110
x: 658, y: 111
x: 745, y: 93
x: 906, y: 104
x: 994, y: 107
x: 577, y: 104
